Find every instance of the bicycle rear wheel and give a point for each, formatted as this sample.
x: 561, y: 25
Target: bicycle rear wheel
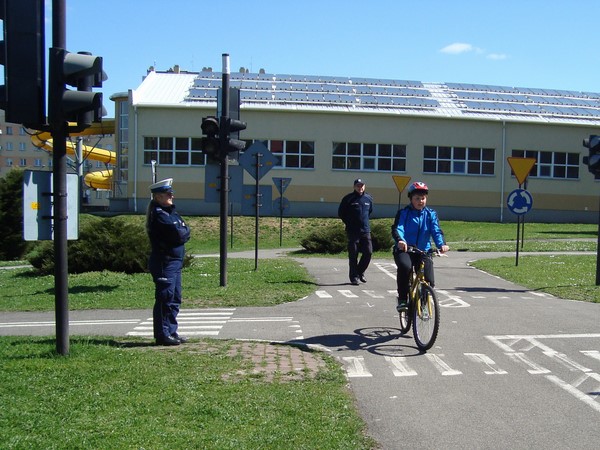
x: 405, y: 320
x: 426, y: 317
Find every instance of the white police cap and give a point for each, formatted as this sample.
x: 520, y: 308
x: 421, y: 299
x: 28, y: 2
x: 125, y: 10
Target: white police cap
x: 162, y: 186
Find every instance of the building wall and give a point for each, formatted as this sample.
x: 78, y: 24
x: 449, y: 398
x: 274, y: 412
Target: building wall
x: 317, y: 192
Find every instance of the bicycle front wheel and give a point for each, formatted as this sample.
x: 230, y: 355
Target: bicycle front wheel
x: 426, y: 317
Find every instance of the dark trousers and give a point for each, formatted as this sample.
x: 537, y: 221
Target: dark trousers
x: 167, y: 295
x: 359, y: 243
x: 404, y: 262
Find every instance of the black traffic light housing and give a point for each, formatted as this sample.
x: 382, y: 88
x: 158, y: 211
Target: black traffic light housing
x: 22, y: 52
x: 593, y: 158
x: 232, y: 132
x: 84, y: 72
x: 211, y: 146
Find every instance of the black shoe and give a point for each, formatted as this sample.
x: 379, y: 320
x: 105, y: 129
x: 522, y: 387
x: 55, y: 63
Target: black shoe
x: 181, y: 339
x: 169, y: 340
x: 354, y: 281
x: 402, y: 305
x: 362, y: 278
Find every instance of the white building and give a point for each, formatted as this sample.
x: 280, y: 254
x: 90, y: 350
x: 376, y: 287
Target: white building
x: 327, y: 131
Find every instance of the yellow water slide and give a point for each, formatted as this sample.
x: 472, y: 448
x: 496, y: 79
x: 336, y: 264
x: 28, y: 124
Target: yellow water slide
x: 96, y: 180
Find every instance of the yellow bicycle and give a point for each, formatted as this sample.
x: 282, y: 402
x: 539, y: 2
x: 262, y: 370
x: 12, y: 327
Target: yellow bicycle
x: 423, y: 308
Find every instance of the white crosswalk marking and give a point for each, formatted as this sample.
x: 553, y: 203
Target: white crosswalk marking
x: 355, y: 367
x: 489, y: 362
x: 323, y: 294
x: 443, y: 368
x: 401, y: 368
x: 347, y: 293
x: 191, y: 323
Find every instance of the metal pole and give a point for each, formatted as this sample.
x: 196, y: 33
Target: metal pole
x: 256, y: 210
x: 59, y: 184
x: 598, y: 250
x: 224, y: 169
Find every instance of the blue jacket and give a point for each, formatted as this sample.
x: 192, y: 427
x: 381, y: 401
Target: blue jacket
x: 355, y: 210
x: 417, y: 228
x: 168, y: 232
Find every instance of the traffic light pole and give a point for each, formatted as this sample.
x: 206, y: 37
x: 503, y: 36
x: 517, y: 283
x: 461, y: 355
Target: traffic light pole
x: 59, y: 132
x: 224, y: 200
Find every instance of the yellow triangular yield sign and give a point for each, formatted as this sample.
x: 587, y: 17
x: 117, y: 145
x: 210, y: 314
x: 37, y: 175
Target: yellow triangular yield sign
x: 400, y: 182
x: 521, y: 167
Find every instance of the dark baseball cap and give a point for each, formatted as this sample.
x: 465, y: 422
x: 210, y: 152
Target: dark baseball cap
x: 358, y: 181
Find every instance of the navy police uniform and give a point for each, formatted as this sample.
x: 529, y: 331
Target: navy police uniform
x: 168, y: 234
x: 355, y: 210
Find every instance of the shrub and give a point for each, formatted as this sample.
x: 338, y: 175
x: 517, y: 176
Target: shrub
x: 332, y: 239
x: 110, y: 244
x: 12, y: 245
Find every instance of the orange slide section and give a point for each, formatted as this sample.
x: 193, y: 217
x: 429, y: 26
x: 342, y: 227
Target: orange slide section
x: 96, y: 180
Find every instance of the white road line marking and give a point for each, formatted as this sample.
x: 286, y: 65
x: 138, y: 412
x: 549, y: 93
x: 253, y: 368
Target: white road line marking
x: 323, y: 294
x: 441, y: 366
x: 400, y: 369
x: 574, y: 392
x: 535, y: 368
x: 484, y: 359
x: 347, y: 293
x: 355, y: 367
x: 372, y: 294
x: 568, y: 363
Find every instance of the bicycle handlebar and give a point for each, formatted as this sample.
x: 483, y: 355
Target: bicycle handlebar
x: 431, y: 252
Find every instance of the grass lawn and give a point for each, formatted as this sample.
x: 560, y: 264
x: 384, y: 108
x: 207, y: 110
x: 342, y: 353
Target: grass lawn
x: 110, y: 394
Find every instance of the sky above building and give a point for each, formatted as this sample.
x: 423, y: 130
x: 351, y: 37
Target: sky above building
x: 518, y: 43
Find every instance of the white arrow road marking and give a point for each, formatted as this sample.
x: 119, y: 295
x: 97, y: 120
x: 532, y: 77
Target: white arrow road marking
x: 355, y: 367
x: 484, y: 359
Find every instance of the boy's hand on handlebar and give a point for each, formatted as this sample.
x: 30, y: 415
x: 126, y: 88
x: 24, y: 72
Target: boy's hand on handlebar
x: 444, y: 248
x: 402, y: 246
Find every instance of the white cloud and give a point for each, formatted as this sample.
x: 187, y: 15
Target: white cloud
x: 496, y: 56
x: 457, y: 48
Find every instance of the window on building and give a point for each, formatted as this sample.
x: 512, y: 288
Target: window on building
x: 23, y: 162
x: 9, y: 162
x: 551, y: 164
x: 9, y: 130
x: 9, y: 146
x: 458, y: 160
x: 293, y: 154
x: 22, y: 146
x: 37, y: 162
x: 22, y: 131
x: 169, y: 151
x: 369, y: 156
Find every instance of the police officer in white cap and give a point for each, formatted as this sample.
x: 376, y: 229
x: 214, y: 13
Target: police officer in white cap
x: 168, y: 234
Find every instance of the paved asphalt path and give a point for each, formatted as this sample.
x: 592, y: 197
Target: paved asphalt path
x: 511, y: 368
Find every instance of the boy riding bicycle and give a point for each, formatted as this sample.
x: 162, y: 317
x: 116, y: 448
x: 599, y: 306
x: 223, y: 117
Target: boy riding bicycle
x: 415, y: 225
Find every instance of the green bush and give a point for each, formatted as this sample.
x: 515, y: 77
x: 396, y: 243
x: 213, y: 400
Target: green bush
x: 110, y: 244
x: 12, y: 245
x: 332, y: 239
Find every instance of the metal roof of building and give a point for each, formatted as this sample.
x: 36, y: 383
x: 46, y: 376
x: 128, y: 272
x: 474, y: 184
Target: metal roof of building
x: 370, y: 95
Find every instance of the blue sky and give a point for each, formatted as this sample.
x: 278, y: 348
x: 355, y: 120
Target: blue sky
x: 522, y: 43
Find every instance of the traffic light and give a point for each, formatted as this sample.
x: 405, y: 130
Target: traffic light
x: 84, y: 72
x: 211, y: 146
x: 232, y: 132
x: 593, y: 158
x: 22, y: 53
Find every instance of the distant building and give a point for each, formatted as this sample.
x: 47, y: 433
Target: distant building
x: 17, y: 150
x: 327, y: 131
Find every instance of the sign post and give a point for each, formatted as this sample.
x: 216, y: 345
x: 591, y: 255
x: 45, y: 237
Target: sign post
x: 520, y: 201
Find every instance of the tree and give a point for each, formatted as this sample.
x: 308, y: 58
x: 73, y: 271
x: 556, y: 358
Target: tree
x: 12, y: 245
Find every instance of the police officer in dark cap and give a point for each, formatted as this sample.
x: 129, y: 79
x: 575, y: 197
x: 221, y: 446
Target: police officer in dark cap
x: 168, y: 234
x: 355, y: 210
